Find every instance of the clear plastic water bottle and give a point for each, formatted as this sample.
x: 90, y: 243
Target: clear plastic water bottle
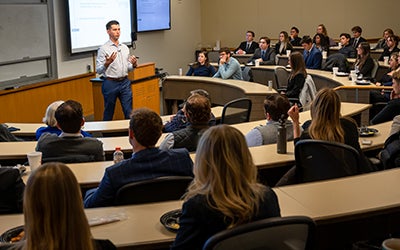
x: 118, y: 155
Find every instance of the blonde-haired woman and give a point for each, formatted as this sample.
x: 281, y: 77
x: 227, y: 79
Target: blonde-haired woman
x: 326, y: 124
x: 53, y: 211
x: 50, y: 120
x: 225, y: 192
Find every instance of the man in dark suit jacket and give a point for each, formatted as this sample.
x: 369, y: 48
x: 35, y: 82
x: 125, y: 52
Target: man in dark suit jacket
x: 264, y: 54
x: 147, y: 161
x: 70, y: 145
x: 294, y: 36
x: 248, y: 46
x: 11, y: 191
x: 357, y: 38
x: 312, y: 55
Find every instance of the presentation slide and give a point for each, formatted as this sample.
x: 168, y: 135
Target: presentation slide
x: 88, y: 19
x: 153, y: 15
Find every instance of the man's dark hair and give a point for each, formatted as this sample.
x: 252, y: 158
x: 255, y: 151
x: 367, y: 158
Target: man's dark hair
x: 306, y: 39
x: 146, y: 126
x: 69, y: 116
x: 295, y: 28
x: 198, y: 109
x: 347, y: 35
x: 267, y: 40
x: 356, y: 29
x: 226, y: 50
x: 277, y: 105
x: 110, y: 23
x: 252, y: 33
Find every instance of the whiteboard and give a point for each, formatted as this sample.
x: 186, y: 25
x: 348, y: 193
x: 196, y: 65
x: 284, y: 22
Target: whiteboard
x: 24, y: 31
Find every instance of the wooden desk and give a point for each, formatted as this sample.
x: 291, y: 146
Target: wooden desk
x: 221, y: 91
x: 103, y: 127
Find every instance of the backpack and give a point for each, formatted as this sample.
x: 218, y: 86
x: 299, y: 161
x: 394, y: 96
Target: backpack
x: 390, y: 155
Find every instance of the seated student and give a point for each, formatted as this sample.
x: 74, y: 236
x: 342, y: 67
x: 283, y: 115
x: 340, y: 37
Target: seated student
x: 357, y: 38
x: 276, y: 107
x: 392, y: 108
x: 202, y: 67
x: 53, y: 212
x: 328, y: 125
x: 294, y: 36
x: 392, y: 42
x: 147, y: 161
x: 229, y: 67
x: 70, y: 145
x: 51, y: 122
x: 381, y: 44
x: 297, y: 75
x: 225, y: 192
x: 197, y: 110
x: 179, y: 120
x: 264, y: 54
x: 321, y: 29
x: 312, y: 56
x: 283, y: 44
x: 6, y: 135
x: 320, y: 42
x: 340, y: 59
x: 248, y: 46
x: 11, y: 191
x: 364, y: 62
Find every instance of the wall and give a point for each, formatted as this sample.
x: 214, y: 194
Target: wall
x: 169, y: 49
x: 228, y: 20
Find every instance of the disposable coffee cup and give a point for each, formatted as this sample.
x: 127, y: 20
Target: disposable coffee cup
x: 180, y: 72
x: 324, y: 54
x: 335, y: 70
x: 34, y: 159
x: 386, y: 60
x: 391, y: 244
x: 288, y: 52
x: 269, y: 85
x: 257, y: 62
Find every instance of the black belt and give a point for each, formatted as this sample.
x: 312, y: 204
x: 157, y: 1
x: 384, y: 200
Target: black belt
x: 120, y: 79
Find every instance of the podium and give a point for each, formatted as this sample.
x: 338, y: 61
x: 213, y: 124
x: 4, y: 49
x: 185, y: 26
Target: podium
x: 145, y: 92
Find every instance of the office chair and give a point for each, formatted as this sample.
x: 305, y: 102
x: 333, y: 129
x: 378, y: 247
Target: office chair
x: 281, y: 78
x: 320, y: 160
x: 153, y: 190
x: 70, y: 158
x: 374, y: 69
x: 236, y: 111
x: 283, y: 233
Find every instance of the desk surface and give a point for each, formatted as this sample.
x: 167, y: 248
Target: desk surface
x: 325, y: 200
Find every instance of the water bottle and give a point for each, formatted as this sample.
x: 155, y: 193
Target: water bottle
x: 118, y: 155
x: 281, y: 140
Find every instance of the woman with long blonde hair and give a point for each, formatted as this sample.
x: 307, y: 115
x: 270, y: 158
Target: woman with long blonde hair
x: 225, y: 192
x: 53, y: 212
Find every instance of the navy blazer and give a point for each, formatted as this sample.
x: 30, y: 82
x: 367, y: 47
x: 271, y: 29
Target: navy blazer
x: 243, y: 45
x: 313, y: 59
x: 146, y: 164
x: 360, y: 40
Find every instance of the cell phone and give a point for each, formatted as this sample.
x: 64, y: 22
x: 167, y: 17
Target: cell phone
x: 366, y: 142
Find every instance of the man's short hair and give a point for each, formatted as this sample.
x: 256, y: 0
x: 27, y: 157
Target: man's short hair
x: 347, y: 35
x: 252, y: 33
x: 356, y: 29
x: 146, y: 126
x: 110, y: 23
x: 198, y: 109
x: 306, y: 39
x: 226, y: 50
x: 69, y: 116
x: 201, y: 92
x: 277, y: 106
x: 267, y: 40
x: 295, y: 28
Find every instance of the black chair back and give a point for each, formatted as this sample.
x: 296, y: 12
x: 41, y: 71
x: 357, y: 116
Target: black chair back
x: 320, y: 160
x: 281, y: 77
x: 283, y: 233
x: 153, y: 190
x: 236, y: 111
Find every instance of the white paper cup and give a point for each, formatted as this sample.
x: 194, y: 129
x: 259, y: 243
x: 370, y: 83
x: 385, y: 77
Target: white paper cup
x: 335, y: 70
x: 180, y: 72
x: 386, y: 60
x: 257, y: 62
x: 391, y: 244
x: 34, y: 159
x: 288, y: 52
x: 324, y: 54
